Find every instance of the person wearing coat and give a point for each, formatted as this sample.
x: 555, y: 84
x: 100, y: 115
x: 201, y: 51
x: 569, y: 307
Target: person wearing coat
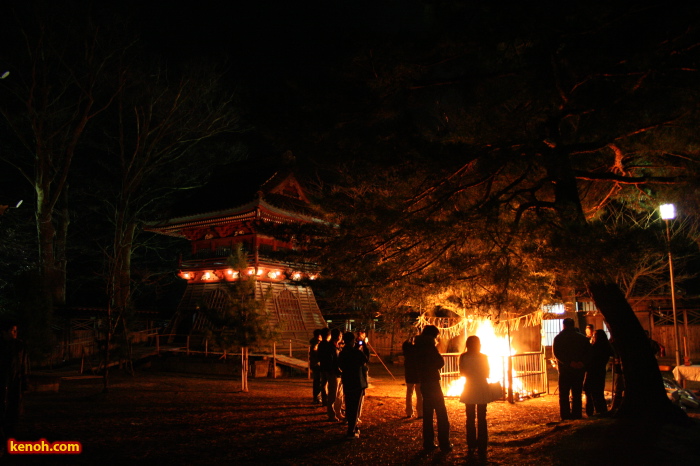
x: 330, y: 373
x: 474, y: 366
x: 572, y: 351
x: 317, y: 389
x: 14, y: 369
x: 352, y: 362
x: 411, y: 378
x: 430, y: 361
x: 594, y: 385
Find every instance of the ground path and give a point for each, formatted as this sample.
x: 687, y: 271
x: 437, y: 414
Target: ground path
x: 181, y: 419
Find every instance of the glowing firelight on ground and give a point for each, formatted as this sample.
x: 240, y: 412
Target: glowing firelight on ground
x: 497, y: 349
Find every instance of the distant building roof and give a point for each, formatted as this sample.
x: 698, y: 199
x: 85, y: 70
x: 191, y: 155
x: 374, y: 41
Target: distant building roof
x: 264, y: 185
x: 239, y: 183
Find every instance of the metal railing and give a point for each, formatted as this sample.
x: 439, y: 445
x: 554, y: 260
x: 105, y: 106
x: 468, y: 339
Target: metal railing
x: 521, y: 375
x: 292, y: 348
x: 450, y: 371
x: 530, y: 369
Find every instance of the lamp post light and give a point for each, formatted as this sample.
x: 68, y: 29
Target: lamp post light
x: 3, y: 208
x: 668, y: 212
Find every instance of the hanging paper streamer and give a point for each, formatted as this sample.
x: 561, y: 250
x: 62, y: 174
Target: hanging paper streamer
x: 451, y: 327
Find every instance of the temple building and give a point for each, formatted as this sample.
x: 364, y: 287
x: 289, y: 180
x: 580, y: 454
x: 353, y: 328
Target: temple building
x: 262, y: 213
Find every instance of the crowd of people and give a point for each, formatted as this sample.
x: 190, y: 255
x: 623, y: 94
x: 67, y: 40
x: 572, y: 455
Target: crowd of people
x: 582, y: 362
x: 339, y: 367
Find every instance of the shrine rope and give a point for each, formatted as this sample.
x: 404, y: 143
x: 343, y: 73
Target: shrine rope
x: 451, y: 327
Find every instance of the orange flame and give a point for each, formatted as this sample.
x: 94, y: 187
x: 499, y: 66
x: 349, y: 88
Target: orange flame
x: 496, y: 348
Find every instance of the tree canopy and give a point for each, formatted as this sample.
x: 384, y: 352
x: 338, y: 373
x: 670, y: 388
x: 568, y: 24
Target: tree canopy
x: 489, y: 130
x: 107, y: 137
x: 497, y: 143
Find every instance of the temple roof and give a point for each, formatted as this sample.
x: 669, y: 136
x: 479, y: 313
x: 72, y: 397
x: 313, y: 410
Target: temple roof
x: 257, y: 209
x: 236, y: 192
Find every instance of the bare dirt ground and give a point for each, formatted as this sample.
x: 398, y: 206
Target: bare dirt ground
x: 183, y: 419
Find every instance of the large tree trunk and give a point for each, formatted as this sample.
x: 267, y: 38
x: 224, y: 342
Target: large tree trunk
x: 60, y: 245
x: 123, y: 296
x: 106, y: 351
x: 119, y: 288
x: 45, y: 233
x: 51, y: 250
x: 645, y: 395
x: 121, y: 271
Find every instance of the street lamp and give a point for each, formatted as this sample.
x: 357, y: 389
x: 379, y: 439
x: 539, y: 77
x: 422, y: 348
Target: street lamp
x: 668, y: 212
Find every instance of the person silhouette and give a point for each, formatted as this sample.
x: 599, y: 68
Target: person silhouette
x: 430, y: 361
x: 474, y: 366
x: 14, y: 368
x: 572, y: 351
x: 352, y: 362
x: 412, y: 378
x: 594, y: 385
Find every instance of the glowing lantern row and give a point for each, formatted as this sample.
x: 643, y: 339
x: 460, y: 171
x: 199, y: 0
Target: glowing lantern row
x: 232, y: 275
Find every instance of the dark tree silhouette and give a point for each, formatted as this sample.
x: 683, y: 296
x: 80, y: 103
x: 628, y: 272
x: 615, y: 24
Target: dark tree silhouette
x: 500, y: 138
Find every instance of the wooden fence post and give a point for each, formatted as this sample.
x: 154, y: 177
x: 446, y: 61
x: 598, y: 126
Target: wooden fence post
x: 274, y: 360
x: 244, y: 368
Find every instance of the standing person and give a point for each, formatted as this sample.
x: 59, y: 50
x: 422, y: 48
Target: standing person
x: 572, y: 351
x: 339, y: 403
x: 315, y: 368
x: 411, y: 376
x: 474, y: 366
x: 430, y: 361
x: 590, y: 331
x: 13, y: 379
x: 353, y: 363
x: 656, y: 348
x: 362, y: 343
x: 594, y: 386
x: 320, y: 350
x: 618, y: 379
x: 330, y: 373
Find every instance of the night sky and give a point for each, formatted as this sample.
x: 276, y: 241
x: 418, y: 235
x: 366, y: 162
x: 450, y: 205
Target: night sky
x: 279, y: 55
x: 274, y: 55
x: 284, y: 59
x: 293, y: 63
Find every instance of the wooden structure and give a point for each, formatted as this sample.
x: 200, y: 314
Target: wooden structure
x: 264, y: 226
x: 656, y: 316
